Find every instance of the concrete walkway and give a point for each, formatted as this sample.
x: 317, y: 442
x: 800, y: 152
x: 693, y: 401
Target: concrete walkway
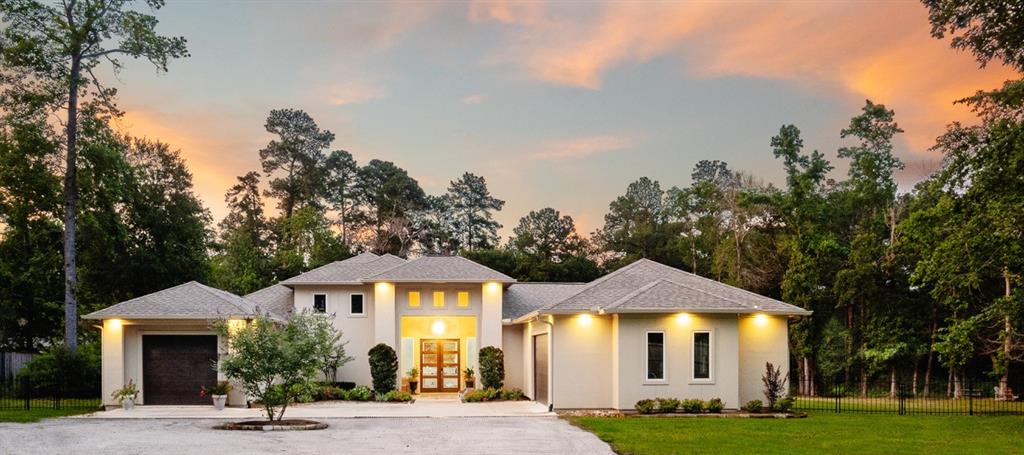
x: 447, y: 436
x: 426, y: 407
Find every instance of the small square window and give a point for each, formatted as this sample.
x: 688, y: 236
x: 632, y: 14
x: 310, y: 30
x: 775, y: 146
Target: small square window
x: 414, y: 299
x: 356, y: 304
x: 319, y: 303
x: 438, y: 299
x: 463, y: 299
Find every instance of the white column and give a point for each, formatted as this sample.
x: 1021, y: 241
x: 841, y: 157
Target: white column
x: 112, y: 360
x: 490, y: 316
x: 384, y: 314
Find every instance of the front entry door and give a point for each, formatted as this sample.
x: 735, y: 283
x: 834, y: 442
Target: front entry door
x: 439, y: 365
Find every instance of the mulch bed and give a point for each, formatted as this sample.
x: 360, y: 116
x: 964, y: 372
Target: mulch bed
x: 275, y: 425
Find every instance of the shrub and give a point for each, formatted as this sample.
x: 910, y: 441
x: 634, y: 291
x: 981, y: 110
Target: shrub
x: 361, y: 393
x: 58, y: 371
x: 512, y: 395
x: 343, y: 385
x: 667, y: 404
x: 396, y: 396
x: 714, y: 406
x: 492, y: 367
x: 329, y: 392
x: 693, y: 406
x: 774, y: 384
x: 645, y: 406
x: 383, y: 367
x: 276, y: 362
x: 785, y: 404
x: 753, y: 406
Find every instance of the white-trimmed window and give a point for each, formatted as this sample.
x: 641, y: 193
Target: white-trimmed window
x: 319, y: 303
x: 703, y: 356
x: 655, y: 356
x: 356, y: 305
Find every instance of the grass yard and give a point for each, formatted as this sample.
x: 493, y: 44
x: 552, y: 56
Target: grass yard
x: 35, y: 415
x: 819, y: 433
x: 42, y: 408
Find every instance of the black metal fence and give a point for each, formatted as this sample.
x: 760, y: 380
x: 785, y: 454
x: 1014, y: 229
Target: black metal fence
x: 967, y: 397
x: 24, y: 395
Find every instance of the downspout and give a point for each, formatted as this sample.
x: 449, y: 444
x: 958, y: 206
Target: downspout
x: 551, y: 363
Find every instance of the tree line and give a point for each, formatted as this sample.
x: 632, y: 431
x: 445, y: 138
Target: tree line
x: 922, y: 283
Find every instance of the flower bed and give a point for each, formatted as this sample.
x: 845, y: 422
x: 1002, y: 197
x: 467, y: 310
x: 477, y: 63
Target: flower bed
x: 482, y: 395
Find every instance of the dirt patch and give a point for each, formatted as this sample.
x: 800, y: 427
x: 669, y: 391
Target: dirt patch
x: 274, y: 425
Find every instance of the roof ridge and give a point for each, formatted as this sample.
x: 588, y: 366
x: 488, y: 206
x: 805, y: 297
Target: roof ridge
x: 704, y: 278
x: 210, y: 290
x: 595, y: 283
x: 640, y: 291
x: 706, y: 292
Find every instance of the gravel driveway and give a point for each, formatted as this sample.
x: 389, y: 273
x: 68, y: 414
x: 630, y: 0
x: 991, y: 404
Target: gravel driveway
x: 535, y: 435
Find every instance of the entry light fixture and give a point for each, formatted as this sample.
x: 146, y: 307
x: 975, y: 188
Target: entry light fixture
x: 438, y: 327
x: 761, y: 318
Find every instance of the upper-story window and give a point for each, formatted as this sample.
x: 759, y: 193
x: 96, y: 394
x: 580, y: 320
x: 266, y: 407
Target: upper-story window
x: 414, y: 299
x: 463, y: 299
x: 356, y: 305
x: 319, y: 303
x: 438, y: 299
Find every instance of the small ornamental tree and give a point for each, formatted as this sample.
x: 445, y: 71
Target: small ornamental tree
x: 275, y: 362
x: 492, y: 367
x: 383, y: 367
x: 334, y: 356
x: 774, y: 384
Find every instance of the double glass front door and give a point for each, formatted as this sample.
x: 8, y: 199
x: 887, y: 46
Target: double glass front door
x: 439, y: 365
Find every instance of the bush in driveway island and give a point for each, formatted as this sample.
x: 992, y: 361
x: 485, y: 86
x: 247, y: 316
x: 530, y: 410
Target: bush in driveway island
x: 276, y: 363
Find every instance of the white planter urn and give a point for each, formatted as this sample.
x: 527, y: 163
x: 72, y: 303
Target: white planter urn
x: 219, y: 401
x: 127, y: 404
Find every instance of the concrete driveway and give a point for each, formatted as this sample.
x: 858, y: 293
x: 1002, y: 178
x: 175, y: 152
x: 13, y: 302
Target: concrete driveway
x: 454, y: 435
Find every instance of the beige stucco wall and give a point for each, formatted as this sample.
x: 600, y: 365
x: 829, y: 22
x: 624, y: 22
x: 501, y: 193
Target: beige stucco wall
x: 679, y: 382
x: 121, y: 344
x: 512, y: 341
x: 357, y: 330
x: 762, y: 339
x: 582, y: 356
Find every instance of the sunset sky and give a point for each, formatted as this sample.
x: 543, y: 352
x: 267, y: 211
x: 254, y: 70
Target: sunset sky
x: 557, y: 105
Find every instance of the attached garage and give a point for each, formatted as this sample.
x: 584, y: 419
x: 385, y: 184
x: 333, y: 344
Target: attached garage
x: 175, y: 367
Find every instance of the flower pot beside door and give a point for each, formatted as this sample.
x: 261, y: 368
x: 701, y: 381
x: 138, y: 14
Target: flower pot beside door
x: 412, y: 377
x: 126, y: 395
x: 470, y: 379
x: 219, y: 394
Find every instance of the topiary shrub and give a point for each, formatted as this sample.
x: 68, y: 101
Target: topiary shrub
x: 693, y: 406
x: 666, y: 405
x: 753, y: 406
x: 383, y: 367
x: 645, y: 406
x: 714, y: 406
x: 492, y: 367
x: 785, y: 404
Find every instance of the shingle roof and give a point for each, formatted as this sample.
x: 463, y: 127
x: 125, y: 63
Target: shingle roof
x: 441, y: 268
x: 648, y: 286
x: 522, y: 298
x: 190, y: 300
x: 350, y: 271
x: 276, y: 299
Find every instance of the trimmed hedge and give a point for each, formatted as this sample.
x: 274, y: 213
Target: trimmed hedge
x: 492, y: 368
x: 383, y: 367
x: 480, y: 395
x: 669, y: 405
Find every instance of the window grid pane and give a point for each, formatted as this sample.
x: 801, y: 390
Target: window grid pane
x: 414, y: 299
x: 463, y: 299
x: 439, y: 299
x: 701, y: 355
x: 655, y: 356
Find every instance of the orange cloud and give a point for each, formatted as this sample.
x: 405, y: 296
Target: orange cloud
x: 581, y: 147
x: 474, y: 99
x: 878, y: 50
x: 353, y: 93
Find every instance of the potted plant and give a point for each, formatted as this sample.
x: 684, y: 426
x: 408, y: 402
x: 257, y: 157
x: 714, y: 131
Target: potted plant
x: 219, y: 393
x: 470, y: 380
x: 413, y: 377
x: 126, y: 395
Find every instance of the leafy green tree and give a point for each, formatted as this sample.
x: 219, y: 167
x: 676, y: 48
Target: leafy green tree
x: 276, y: 362
x: 241, y: 262
x: 342, y: 192
x: 472, y: 208
x: 305, y: 241
x: 391, y: 199
x: 50, y: 52
x: 636, y: 227
x: 296, y: 156
x: 548, y: 248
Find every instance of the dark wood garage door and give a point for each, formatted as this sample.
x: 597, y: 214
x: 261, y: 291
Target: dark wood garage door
x: 174, y: 367
x: 540, y: 368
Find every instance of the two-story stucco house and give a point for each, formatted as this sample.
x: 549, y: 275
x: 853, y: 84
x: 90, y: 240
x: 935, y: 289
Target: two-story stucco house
x: 646, y: 330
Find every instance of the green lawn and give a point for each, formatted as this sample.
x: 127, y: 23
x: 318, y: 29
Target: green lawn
x: 34, y: 415
x: 819, y: 433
